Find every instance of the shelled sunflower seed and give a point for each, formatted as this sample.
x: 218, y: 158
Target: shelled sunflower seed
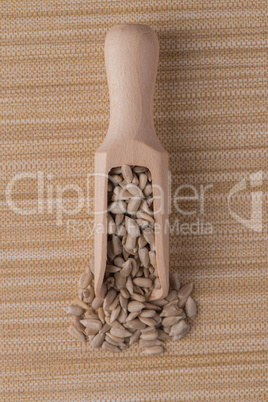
x: 126, y: 315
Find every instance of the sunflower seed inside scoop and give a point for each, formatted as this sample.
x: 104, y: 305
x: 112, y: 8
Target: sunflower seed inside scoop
x: 133, y: 205
x: 142, y: 180
x: 127, y: 173
x: 144, y: 256
x: 126, y: 269
x: 132, y: 227
x: 111, y: 225
x: 143, y: 282
x: 117, y: 245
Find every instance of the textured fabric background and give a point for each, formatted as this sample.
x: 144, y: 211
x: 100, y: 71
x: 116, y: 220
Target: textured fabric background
x: 211, y: 116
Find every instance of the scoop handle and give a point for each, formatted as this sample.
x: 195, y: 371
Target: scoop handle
x: 131, y: 58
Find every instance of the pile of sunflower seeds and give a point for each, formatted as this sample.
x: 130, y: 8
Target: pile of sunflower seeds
x: 126, y: 315
x: 131, y: 239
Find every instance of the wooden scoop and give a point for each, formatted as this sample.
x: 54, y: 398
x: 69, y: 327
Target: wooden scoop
x: 131, y: 56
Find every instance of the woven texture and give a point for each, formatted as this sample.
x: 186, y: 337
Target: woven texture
x: 210, y: 114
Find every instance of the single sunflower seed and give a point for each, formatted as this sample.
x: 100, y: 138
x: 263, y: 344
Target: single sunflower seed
x: 120, y: 281
x: 123, y: 333
x: 88, y: 294
x: 134, y: 337
x: 115, y: 178
x: 134, y: 190
x: 148, y: 321
x: 85, y: 279
x: 152, y: 258
x: 135, y: 306
x: 74, y: 332
x: 122, y: 316
x: 123, y: 302
x: 170, y: 311
x: 138, y: 297
x: 127, y: 268
x: 129, y: 284
x: 111, y: 269
x: 132, y: 227
x: 117, y: 245
x: 175, y: 281
x: 91, y: 324
x: 127, y: 173
x: 181, y: 328
x: 114, y: 303
x: 135, y: 179
x: 169, y: 321
x: 130, y: 242
x: 91, y: 314
x: 162, y: 336
x: 109, y: 298
x: 133, y: 205
x: 185, y: 291
x: 98, y: 340
x: 132, y: 315
x: 117, y: 207
x: 135, y: 324
x: 125, y: 293
x: 77, y: 324
x: 74, y: 309
x: 115, y: 313
x: 111, y: 226
x: 140, y: 169
x: 110, y: 348
x: 119, y: 219
x: 118, y: 261
x: 106, y: 327
x: 190, y: 308
x: 115, y: 170
x: 148, y: 234
x: 144, y: 256
x: 101, y: 315
x: 145, y: 217
x: 142, y: 180
x: 148, y: 313
x: 172, y: 296
x: 149, y: 336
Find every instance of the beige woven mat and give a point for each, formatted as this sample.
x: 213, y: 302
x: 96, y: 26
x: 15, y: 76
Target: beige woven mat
x: 210, y: 104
